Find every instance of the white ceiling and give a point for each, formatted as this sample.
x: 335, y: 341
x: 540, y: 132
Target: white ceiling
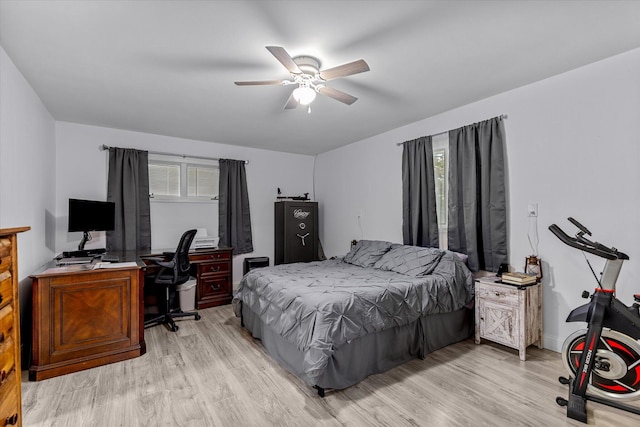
x: 168, y: 67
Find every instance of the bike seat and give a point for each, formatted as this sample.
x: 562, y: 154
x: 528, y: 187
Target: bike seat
x: 636, y: 297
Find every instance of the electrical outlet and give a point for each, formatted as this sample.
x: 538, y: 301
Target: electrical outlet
x: 532, y: 209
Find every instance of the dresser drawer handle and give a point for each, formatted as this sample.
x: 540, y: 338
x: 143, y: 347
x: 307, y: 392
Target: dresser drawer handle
x: 12, y: 420
x: 215, y: 288
x: 215, y: 256
x: 216, y: 268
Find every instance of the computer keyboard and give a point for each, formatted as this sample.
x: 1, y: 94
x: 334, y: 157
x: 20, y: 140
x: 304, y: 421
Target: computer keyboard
x: 110, y: 258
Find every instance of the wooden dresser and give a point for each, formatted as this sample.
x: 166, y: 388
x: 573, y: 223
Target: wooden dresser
x: 83, y: 318
x: 10, y: 381
x: 213, y: 269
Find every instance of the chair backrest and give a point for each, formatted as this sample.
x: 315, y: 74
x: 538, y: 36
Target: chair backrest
x: 181, y: 256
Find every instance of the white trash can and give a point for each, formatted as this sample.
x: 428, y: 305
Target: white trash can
x: 187, y: 295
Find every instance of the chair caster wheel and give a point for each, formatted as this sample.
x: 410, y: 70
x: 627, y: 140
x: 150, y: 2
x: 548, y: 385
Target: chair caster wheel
x: 562, y: 401
x: 564, y: 380
x: 198, y: 317
x: 174, y: 328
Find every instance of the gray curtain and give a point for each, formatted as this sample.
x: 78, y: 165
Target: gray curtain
x: 128, y: 187
x: 419, y: 220
x: 234, y: 219
x: 477, y: 196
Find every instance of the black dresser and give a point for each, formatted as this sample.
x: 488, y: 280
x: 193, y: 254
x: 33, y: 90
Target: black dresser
x: 296, y: 232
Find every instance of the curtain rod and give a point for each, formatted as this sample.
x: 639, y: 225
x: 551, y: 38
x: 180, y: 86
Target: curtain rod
x: 105, y: 147
x: 501, y: 116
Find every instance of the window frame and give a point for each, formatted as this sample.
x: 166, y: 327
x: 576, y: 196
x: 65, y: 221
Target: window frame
x: 184, y: 163
x: 440, y: 146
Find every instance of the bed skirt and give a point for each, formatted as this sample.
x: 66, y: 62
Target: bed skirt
x: 371, y: 354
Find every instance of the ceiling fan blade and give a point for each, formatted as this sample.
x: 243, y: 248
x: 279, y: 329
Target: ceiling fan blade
x: 284, y: 58
x: 259, y: 83
x: 355, y: 67
x: 291, y: 103
x: 338, y: 95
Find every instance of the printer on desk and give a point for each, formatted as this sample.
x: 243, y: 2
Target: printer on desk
x: 203, y: 241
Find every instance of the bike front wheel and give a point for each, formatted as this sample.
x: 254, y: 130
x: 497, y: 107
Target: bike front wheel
x: 616, y: 371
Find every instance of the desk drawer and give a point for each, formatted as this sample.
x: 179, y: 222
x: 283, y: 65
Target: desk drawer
x: 9, y: 400
x: 6, y: 288
x: 213, y: 291
x: 209, y: 256
x: 6, y: 324
x: 213, y: 267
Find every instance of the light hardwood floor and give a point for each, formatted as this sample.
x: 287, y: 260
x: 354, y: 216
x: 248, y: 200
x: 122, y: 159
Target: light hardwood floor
x: 212, y: 373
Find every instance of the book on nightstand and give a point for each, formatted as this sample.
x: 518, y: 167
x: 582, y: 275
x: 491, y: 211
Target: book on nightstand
x: 519, y: 278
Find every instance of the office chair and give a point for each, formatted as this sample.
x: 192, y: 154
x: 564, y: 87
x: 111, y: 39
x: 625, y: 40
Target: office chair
x: 172, y: 273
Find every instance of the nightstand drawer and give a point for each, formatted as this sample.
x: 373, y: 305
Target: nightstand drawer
x: 6, y: 288
x: 504, y: 294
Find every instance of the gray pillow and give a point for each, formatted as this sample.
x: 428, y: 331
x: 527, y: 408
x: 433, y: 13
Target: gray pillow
x: 410, y: 260
x: 365, y: 253
x: 463, y: 257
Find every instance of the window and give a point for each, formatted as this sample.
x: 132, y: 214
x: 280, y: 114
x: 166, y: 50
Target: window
x: 440, y: 175
x: 182, y: 179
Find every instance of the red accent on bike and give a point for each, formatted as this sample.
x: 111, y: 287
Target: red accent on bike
x: 637, y: 369
x: 582, y: 377
x: 579, y: 346
x: 614, y: 388
x: 616, y: 344
x: 606, y: 291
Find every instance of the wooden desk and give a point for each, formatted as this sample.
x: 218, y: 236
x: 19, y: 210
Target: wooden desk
x: 83, y: 318
x: 213, y: 270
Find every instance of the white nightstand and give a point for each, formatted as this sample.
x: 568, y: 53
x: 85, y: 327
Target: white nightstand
x: 509, y: 314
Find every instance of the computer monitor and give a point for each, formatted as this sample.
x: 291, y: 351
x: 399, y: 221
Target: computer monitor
x: 90, y: 215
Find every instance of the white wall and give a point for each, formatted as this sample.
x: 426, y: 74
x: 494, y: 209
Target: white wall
x: 27, y: 178
x: 27, y: 172
x: 573, y: 147
x: 82, y: 173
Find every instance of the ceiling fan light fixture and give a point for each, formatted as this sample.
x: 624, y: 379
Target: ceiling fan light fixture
x: 304, y: 95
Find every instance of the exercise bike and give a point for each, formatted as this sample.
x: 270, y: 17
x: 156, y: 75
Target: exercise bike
x: 603, y: 360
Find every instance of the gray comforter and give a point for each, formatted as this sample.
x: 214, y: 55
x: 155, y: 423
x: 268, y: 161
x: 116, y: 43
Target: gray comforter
x: 321, y: 305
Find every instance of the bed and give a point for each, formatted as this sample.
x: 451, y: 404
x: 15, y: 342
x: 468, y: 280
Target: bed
x: 332, y: 323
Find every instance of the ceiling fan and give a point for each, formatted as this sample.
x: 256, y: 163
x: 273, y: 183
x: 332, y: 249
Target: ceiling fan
x: 306, y: 74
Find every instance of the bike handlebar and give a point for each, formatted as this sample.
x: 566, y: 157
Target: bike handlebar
x: 586, y: 245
